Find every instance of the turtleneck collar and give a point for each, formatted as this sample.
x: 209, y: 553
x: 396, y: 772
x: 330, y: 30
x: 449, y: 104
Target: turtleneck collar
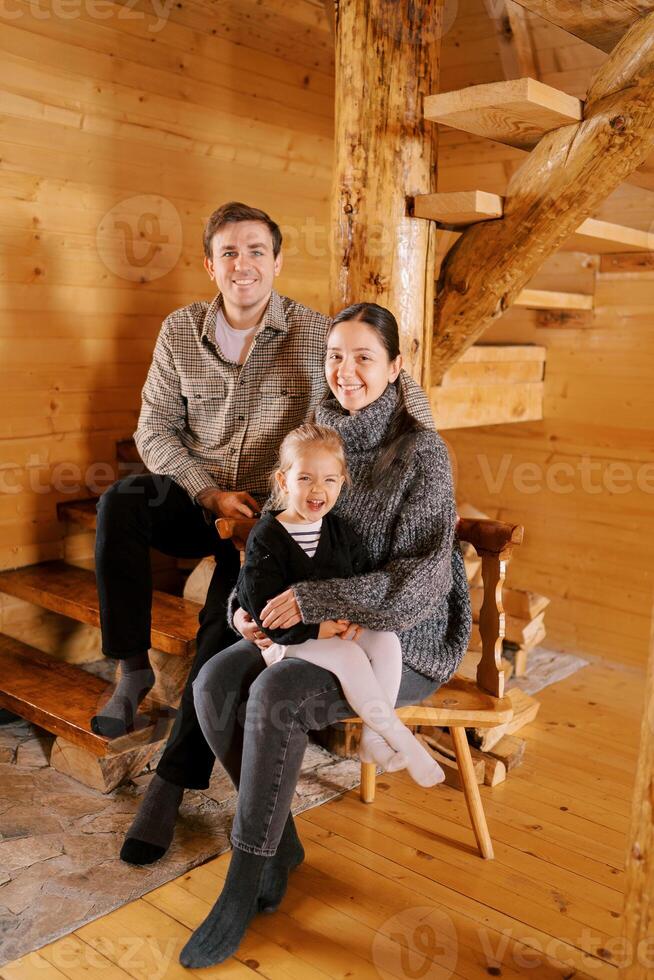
x: 367, y: 428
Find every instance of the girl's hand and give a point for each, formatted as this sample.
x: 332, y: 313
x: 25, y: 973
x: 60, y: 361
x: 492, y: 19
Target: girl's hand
x: 281, y: 612
x: 353, y: 632
x: 332, y: 627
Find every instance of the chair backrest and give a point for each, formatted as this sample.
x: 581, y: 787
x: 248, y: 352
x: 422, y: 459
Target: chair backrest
x: 494, y: 542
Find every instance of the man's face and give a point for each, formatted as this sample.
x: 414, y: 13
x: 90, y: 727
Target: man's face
x: 243, y: 263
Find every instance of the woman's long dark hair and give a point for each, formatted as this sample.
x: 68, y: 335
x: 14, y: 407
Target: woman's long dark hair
x: 402, y: 426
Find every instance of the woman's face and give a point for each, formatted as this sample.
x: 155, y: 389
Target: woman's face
x: 357, y: 366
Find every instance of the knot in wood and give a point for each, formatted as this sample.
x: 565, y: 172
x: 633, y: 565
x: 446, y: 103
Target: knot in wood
x: 619, y: 123
x: 636, y: 851
x: 348, y: 209
x: 460, y: 286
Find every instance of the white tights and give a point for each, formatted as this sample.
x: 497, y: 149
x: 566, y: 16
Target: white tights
x: 370, y: 672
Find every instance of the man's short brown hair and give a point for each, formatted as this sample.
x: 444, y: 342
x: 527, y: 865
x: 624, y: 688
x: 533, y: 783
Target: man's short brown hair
x: 235, y: 211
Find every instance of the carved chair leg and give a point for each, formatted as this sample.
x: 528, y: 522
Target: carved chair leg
x: 471, y: 792
x: 368, y: 777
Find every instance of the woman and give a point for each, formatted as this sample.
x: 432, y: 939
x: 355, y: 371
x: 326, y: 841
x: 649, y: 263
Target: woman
x: 256, y: 718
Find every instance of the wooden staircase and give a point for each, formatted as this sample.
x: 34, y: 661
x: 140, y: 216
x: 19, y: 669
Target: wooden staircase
x: 579, y: 152
x: 62, y: 697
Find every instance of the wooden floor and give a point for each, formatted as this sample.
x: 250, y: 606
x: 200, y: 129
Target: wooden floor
x: 396, y: 889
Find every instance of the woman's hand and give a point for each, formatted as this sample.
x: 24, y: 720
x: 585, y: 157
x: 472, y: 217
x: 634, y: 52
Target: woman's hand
x: 249, y: 630
x: 332, y: 627
x: 282, y: 612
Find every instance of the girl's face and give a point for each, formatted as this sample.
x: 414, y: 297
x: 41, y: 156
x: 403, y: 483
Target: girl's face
x: 311, y: 485
x: 357, y: 367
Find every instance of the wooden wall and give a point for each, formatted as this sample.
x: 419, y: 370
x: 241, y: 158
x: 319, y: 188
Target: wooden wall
x: 108, y: 104
x: 235, y: 101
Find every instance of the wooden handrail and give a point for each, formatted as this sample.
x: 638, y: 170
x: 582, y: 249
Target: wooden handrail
x: 489, y: 537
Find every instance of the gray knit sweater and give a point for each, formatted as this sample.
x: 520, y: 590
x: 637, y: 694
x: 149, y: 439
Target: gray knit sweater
x: 419, y: 588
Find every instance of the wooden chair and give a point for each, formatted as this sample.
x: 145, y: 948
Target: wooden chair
x: 460, y: 703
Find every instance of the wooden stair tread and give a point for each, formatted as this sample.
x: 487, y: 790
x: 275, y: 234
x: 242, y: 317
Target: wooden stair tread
x: 72, y: 591
x: 517, y: 112
x: 608, y: 238
x: 458, y: 208
x: 545, y: 299
x: 59, y: 697
x: 459, y: 701
x: 82, y: 512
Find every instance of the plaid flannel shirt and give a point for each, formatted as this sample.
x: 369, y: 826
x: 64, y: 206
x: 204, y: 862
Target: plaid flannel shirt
x: 209, y: 422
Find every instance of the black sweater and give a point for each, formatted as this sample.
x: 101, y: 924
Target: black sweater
x: 274, y: 561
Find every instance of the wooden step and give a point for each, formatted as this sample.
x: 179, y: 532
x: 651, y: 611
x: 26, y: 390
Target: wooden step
x: 62, y: 698
x: 126, y: 452
x: 545, y: 299
x: 607, y: 238
x: 72, y: 592
x: 81, y: 512
x: 491, y: 384
x: 517, y: 112
x: 458, y: 208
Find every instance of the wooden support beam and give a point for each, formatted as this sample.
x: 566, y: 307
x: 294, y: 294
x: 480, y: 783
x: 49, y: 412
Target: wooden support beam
x: 601, y: 23
x: 387, y: 62
x: 518, y: 112
x: 560, y: 184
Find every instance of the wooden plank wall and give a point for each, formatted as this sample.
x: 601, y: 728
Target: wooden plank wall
x: 235, y: 100
x: 107, y: 103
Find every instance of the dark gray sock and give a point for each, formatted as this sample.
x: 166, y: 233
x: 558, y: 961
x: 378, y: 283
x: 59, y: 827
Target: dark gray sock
x: 274, y: 879
x: 220, y: 935
x: 117, y: 716
x: 153, y: 827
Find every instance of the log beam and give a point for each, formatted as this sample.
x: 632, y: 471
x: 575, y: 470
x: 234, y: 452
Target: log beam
x: 638, y: 912
x: 601, y: 23
x: 387, y: 60
x: 560, y: 184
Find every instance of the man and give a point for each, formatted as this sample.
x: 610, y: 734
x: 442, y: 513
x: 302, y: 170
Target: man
x: 228, y: 380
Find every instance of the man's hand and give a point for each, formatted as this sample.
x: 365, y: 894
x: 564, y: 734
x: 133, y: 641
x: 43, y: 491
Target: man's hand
x: 249, y: 630
x: 281, y: 612
x: 332, y: 627
x: 227, y: 503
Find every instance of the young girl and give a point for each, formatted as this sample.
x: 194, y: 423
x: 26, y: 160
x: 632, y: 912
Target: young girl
x: 305, y: 541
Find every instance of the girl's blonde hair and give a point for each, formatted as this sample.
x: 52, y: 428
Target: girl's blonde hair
x: 306, y: 436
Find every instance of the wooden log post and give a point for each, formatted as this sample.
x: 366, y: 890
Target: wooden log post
x: 638, y: 912
x: 387, y: 60
x: 563, y: 180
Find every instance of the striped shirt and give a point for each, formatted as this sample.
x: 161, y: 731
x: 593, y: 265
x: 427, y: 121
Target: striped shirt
x: 306, y: 535
x: 208, y: 422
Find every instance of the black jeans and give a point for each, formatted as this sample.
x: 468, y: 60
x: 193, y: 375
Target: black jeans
x: 135, y: 514
x: 256, y: 719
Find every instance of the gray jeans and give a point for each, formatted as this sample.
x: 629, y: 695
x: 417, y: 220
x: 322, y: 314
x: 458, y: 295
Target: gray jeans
x: 256, y: 720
